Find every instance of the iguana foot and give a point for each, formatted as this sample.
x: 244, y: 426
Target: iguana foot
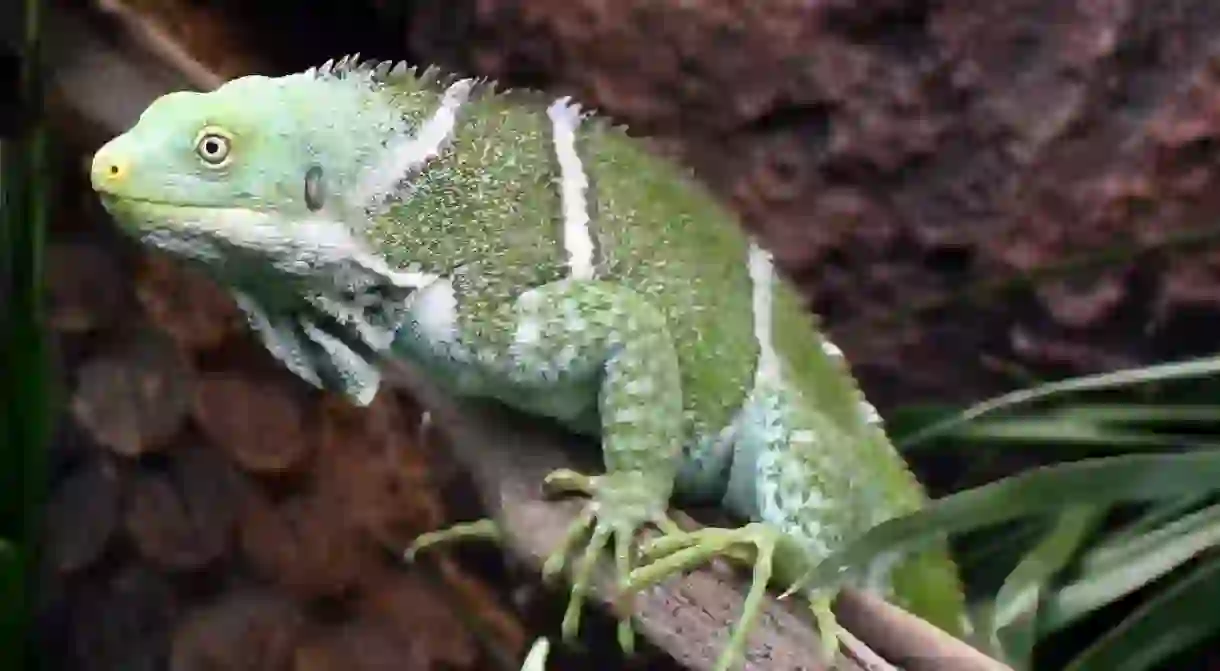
x: 752, y: 545
x: 485, y: 529
x: 621, y: 504
x: 828, y: 624
x: 481, y: 530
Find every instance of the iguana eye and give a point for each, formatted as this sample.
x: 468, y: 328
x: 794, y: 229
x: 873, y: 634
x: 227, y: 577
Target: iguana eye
x: 213, y: 148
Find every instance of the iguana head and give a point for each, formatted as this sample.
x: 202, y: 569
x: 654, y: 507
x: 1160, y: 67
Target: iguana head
x: 260, y: 164
x: 266, y: 183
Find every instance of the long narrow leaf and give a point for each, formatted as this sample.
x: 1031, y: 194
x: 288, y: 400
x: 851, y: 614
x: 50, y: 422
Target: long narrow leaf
x: 1057, y: 432
x: 1176, y: 619
x: 12, y: 596
x: 1091, y: 482
x: 1169, y: 371
x: 1157, y: 516
x: 995, y: 546
x: 1125, y: 570
x: 1012, y: 625
x: 24, y: 398
x: 1120, y: 551
x: 1143, y: 414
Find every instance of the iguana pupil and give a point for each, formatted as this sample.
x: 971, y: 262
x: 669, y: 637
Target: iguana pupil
x: 214, y: 149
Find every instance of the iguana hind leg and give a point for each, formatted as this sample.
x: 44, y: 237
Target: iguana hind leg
x: 485, y: 529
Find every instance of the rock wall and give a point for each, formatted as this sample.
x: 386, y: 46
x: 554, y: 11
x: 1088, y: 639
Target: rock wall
x: 895, y: 152
x: 209, y: 511
x: 910, y: 161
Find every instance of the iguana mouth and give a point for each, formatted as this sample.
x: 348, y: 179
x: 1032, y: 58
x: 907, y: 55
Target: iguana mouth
x: 137, y: 200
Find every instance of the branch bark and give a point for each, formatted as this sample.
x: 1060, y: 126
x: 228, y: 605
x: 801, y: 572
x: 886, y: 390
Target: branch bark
x: 108, y: 81
x: 688, y: 617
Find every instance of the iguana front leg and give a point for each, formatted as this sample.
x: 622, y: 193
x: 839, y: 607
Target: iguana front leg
x: 575, y: 337
x: 624, y: 343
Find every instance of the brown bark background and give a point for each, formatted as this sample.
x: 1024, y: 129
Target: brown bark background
x: 209, y: 511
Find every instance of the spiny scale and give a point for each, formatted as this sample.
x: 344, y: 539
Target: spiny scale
x: 439, y: 78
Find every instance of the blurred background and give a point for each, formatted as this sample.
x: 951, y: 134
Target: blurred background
x: 976, y: 197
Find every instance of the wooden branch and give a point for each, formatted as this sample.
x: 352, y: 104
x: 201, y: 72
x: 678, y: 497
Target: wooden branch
x: 906, y: 640
x: 688, y: 617
x: 107, y: 82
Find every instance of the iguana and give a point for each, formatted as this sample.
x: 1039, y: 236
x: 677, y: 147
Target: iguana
x: 517, y: 247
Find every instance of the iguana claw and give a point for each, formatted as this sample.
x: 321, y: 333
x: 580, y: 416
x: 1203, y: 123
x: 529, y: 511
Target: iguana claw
x: 754, y: 545
x: 482, y: 530
x: 619, y: 508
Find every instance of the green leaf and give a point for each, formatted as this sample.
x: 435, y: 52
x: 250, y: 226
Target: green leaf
x: 1142, y: 413
x: 1181, y: 616
x: 908, y: 419
x: 1098, y: 482
x: 1011, y: 622
x: 1112, y: 571
x: 992, y: 548
x: 1169, y: 371
x: 26, y: 184
x: 1158, y: 515
x: 1057, y: 431
x: 9, y: 558
x: 12, y: 602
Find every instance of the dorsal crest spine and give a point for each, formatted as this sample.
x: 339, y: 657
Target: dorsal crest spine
x: 437, y: 78
x: 389, y: 73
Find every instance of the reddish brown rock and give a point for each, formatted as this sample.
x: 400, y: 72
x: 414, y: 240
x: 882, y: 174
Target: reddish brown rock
x: 368, y: 461
x: 81, y: 515
x: 304, y: 545
x: 135, y: 396
x: 242, y: 631
x: 85, y: 288
x: 407, y: 608
x: 121, y: 619
x: 898, y: 152
x: 359, y: 647
x: 182, y: 516
x: 262, y: 423
x: 191, y: 308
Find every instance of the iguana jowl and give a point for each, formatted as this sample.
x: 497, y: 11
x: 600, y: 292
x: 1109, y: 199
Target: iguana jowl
x: 517, y: 248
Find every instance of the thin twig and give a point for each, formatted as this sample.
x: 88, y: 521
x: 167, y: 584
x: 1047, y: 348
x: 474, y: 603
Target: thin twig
x: 158, y: 42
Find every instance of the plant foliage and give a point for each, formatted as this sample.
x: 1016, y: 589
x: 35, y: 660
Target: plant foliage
x: 24, y: 397
x: 1127, y: 538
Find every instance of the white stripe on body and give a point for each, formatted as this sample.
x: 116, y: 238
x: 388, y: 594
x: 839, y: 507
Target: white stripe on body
x: 411, y: 154
x: 762, y: 277
x: 573, y: 189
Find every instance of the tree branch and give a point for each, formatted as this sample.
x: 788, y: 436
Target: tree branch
x: 688, y: 617
x: 691, y: 616
x: 107, y: 82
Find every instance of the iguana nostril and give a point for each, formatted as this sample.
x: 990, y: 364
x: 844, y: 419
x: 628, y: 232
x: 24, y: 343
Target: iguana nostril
x: 108, y: 169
